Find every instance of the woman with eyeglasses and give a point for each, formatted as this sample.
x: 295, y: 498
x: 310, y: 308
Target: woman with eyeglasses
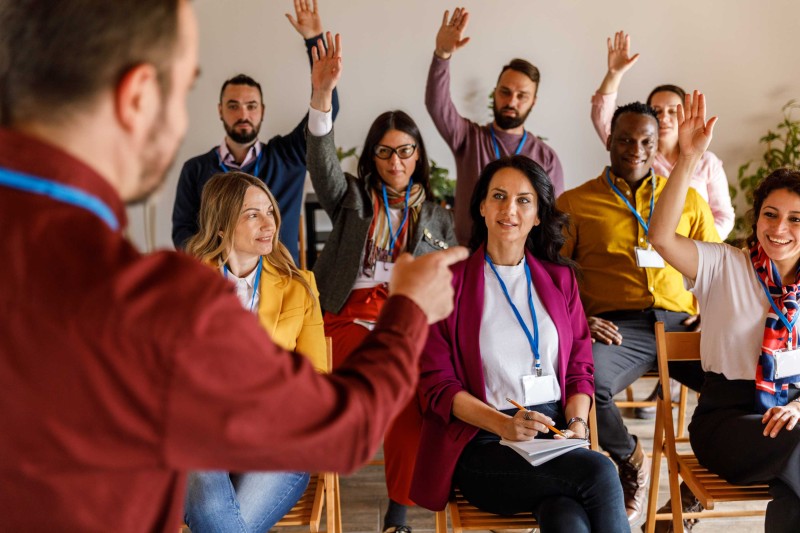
x: 384, y: 211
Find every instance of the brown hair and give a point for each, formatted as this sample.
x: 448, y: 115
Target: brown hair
x: 59, y: 56
x: 526, y: 67
x: 220, y: 205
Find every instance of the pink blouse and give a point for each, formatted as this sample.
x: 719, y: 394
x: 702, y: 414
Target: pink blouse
x: 709, y: 178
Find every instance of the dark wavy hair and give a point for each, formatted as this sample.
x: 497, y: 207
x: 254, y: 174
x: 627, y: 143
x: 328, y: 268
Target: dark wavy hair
x: 544, y: 240
x: 782, y: 178
x: 394, y: 120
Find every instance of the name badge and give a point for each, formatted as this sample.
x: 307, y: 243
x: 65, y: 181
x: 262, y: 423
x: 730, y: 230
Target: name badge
x: 382, y: 271
x: 540, y: 389
x: 787, y: 363
x: 648, y: 258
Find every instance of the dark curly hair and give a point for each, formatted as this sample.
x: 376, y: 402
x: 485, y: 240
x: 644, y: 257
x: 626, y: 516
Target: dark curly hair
x: 782, y: 178
x: 636, y: 108
x: 544, y: 240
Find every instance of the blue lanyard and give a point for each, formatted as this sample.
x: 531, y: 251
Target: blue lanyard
x: 645, y: 225
x: 533, y: 340
x: 788, y: 325
x: 392, y: 235
x: 255, y: 283
x: 60, y: 192
x: 497, y: 146
x: 225, y: 168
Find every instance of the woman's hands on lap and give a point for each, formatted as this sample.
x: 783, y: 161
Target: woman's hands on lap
x: 519, y: 428
x: 778, y: 418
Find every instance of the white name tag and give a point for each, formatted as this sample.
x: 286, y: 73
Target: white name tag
x: 382, y: 271
x: 787, y: 363
x: 540, y: 389
x: 648, y: 258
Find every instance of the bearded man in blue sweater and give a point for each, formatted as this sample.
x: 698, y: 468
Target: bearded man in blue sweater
x: 280, y: 163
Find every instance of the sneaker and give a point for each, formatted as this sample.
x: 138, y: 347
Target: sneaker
x: 689, y: 503
x: 397, y: 529
x: 648, y: 413
x: 634, y: 474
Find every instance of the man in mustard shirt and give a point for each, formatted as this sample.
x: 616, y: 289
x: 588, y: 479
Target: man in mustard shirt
x: 626, y: 286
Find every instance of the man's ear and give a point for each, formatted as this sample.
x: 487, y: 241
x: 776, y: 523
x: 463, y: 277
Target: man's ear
x: 137, y: 99
x: 219, y: 110
x: 608, y: 142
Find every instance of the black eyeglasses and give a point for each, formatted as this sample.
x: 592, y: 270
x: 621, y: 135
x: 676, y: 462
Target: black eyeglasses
x: 403, y: 152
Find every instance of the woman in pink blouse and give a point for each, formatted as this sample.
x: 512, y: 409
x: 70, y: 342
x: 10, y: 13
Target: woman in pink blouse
x: 709, y: 177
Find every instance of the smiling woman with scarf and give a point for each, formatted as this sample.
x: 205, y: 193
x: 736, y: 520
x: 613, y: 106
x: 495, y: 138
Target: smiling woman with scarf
x: 383, y: 212
x: 744, y: 428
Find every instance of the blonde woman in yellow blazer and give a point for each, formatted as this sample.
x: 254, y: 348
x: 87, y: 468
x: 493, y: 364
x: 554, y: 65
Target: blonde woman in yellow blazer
x: 239, y: 228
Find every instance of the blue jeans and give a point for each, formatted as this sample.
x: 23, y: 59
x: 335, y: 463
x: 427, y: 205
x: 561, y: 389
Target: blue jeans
x: 576, y: 492
x: 252, y: 502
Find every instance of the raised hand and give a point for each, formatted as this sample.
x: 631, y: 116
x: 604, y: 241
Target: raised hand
x: 451, y: 34
x: 308, y: 24
x: 694, y: 133
x: 619, y: 58
x: 325, y: 71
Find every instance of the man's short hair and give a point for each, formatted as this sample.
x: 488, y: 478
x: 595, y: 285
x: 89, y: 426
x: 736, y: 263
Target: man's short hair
x: 637, y: 108
x: 241, y: 79
x: 527, y: 68
x: 56, y: 57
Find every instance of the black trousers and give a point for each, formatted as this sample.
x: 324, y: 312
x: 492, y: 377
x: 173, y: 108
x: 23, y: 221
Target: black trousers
x: 727, y: 437
x: 616, y: 367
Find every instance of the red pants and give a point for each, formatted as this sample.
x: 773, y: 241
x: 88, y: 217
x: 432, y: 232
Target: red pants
x: 402, y: 438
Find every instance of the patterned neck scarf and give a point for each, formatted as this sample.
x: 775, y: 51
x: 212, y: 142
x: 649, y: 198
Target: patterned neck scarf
x: 772, y: 392
x: 378, y: 238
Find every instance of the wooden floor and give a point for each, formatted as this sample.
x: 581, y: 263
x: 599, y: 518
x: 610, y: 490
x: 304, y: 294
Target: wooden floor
x: 364, y: 493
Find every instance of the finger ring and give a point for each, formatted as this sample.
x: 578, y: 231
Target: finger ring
x: 527, y: 415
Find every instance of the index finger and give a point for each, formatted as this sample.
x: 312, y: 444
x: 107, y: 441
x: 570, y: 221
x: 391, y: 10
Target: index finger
x: 338, y: 46
x: 452, y: 255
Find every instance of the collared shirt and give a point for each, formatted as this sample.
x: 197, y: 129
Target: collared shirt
x: 121, y: 371
x: 226, y: 156
x: 604, y: 234
x: 244, y: 288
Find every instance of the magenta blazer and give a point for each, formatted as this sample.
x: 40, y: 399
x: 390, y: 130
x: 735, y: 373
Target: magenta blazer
x: 451, y: 362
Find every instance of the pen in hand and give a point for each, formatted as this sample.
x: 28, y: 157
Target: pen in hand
x: 521, y: 408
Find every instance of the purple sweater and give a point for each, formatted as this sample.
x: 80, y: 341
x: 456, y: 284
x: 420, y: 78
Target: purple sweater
x: 472, y: 147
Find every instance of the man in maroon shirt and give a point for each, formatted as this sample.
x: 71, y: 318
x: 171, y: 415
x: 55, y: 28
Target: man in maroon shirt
x: 121, y: 371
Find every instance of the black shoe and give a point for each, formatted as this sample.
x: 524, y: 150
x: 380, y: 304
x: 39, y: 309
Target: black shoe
x: 397, y: 529
x: 689, y: 504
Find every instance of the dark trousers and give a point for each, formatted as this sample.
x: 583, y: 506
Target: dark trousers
x: 727, y: 438
x: 575, y: 492
x: 617, y: 367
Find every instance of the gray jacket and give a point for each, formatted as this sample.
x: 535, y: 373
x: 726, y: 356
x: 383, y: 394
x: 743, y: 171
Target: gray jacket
x: 347, y: 201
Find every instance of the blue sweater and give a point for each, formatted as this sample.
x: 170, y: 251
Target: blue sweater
x: 282, y: 168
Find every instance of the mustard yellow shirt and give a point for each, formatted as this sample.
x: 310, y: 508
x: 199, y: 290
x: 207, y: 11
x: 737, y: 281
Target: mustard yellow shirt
x: 604, y: 233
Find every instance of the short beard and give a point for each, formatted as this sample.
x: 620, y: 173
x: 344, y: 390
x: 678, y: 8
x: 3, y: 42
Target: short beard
x: 242, y: 138
x: 507, y: 123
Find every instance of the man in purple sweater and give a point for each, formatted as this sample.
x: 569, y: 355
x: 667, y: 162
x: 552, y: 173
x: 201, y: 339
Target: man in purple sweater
x: 475, y: 145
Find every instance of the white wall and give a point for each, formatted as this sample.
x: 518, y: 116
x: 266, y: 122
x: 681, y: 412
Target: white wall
x: 741, y: 53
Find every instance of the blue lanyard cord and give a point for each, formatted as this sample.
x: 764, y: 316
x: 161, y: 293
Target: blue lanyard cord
x: 533, y: 340
x: 645, y: 225
x: 392, y: 235
x: 225, y: 168
x: 60, y: 192
x: 497, y: 146
x: 256, y: 282
x: 788, y: 325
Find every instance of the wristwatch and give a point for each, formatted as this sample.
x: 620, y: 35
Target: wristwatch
x: 582, y: 421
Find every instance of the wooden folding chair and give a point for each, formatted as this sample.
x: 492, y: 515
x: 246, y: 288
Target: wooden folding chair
x: 466, y: 517
x: 630, y: 402
x: 709, y: 488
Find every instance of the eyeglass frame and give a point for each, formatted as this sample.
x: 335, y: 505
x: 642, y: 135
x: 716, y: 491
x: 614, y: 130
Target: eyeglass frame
x: 394, y: 151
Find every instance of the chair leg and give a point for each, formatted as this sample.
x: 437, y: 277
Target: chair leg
x: 655, y: 472
x: 441, y: 521
x: 682, y: 413
x: 629, y: 393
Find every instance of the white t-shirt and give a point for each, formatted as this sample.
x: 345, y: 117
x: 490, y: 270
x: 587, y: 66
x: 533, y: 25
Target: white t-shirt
x: 505, y: 350
x: 733, y: 310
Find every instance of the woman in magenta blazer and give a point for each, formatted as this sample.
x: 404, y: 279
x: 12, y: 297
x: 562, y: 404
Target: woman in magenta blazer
x: 518, y: 330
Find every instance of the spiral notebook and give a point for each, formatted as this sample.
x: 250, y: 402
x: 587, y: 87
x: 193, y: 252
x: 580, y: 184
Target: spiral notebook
x: 539, y: 451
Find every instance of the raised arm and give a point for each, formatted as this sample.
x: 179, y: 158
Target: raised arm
x: 450, y: 37
x: 605, y: 99
x: 694, y: 136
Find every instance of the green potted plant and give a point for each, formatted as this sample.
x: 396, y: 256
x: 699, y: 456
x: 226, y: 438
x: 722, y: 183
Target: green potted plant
x: 782, y: 150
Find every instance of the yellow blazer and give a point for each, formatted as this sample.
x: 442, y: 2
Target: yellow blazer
x: 291, y: 316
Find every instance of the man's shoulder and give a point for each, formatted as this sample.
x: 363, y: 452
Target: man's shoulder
x: 208, y: 159
x: 585, y: 191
